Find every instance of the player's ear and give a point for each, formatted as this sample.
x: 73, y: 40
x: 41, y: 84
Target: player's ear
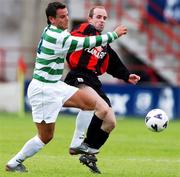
x: 51, y: 19
x: 89, y: 19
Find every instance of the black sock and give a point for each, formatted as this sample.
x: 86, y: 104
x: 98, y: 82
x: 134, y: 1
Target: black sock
x: 101, y: 138
x: 95, y: 136
x: 94, y: 125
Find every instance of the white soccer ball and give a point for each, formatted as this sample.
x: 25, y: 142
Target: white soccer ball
x: 156, y: 120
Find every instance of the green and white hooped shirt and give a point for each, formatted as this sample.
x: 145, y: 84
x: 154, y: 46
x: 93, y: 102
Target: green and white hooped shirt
x: 54, y: 46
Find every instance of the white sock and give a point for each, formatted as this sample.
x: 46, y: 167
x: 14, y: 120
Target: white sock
x: 82, y: 122
x: 29, y: 149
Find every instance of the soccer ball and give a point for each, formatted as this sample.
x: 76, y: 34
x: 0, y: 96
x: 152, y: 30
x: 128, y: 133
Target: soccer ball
x: 156, y: 120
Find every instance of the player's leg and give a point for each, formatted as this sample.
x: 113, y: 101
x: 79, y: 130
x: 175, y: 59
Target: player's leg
x: 86, y: 98
x: 46, y: 103
x: 97, y: 126
x: 83, y: 119
x: 82, y: 122
x: 97, y: 135
x: 31, y: 147
x: 94, y: 140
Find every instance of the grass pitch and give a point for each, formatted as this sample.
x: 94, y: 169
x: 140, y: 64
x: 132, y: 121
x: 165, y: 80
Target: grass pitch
x: 131, y: 151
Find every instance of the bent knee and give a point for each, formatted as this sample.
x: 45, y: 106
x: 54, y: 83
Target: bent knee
x: 46, y: 139
x: 104, y: 110
x: 112, y: 124
x: 109, y: 125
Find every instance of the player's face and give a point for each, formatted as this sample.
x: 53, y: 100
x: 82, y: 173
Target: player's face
x: 99, y: 18
x: 61, y: 19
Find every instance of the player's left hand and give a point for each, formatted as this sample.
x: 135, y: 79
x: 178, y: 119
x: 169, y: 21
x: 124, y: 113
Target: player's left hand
x: 133, y: 79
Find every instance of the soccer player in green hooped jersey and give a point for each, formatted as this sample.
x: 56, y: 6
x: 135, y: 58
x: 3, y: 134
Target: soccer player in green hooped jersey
x: 47, y: 94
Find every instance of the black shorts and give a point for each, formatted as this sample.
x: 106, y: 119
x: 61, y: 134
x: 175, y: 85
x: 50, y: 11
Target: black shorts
x: 77, y: 77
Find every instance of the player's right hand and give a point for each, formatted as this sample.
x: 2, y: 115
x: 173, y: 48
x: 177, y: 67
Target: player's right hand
x: 120, y: 30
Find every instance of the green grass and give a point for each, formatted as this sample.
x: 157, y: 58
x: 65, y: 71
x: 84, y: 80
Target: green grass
x: 131, y: 151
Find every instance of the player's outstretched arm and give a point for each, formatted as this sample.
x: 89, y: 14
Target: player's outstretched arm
x: 74, y: 43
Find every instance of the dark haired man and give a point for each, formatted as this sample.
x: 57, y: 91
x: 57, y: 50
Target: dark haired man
x: 47, y: 93
x: 86, y: 65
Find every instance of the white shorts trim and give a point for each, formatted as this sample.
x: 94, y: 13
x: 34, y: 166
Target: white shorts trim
x: 47, y: 99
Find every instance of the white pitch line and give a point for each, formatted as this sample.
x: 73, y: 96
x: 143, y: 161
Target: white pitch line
x: 151, y: 159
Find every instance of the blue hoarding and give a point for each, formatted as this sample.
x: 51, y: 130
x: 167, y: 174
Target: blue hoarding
x: 130, y: 100
x: 138, y: 100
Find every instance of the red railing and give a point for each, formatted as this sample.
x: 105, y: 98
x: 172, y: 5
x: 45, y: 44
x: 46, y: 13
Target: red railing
x: 2, y: 64
x: 152, y: 23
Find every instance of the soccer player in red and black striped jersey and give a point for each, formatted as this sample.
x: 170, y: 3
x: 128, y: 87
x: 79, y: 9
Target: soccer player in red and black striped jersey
x: 85, y: 67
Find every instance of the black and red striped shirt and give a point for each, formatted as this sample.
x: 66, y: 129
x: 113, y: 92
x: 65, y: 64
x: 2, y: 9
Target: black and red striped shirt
x: 94, y: 59
x: 99, y: 59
